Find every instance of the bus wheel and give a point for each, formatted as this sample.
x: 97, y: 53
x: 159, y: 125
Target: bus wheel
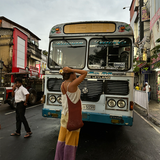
x: 32, y: 97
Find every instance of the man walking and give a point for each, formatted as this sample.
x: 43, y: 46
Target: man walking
x: 148, y: 90
x: 21, y: 98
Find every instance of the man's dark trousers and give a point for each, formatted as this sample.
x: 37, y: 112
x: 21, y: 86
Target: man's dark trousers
x: 20, y: 117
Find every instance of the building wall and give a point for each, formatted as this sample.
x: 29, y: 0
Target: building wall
x: 141, y: 81
x: 154, y: 35
x: 33, y: 51
x: 153, y: 85
x: 154, y: 21
x: 6, y: 24
x: 32, y: 62
x: 6, y: 43
x: 132, y: 9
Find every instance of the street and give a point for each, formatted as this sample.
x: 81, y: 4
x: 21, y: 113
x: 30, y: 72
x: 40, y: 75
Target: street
x: 97, y: 141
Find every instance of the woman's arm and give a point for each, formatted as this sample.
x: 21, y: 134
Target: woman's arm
x: 78, y: 80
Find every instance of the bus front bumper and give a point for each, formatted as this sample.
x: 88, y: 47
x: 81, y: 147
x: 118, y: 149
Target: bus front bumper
x: 93, y: 117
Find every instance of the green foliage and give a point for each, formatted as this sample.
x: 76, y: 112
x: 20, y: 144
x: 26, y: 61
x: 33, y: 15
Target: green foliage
x: 146, y: 68
x: 45, y: 52
x: 155, y: 51
x: 136, y: 69
x: 158, y: 40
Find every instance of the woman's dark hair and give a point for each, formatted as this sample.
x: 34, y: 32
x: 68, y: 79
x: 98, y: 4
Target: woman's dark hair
x: 66, y: 76
x: 18, y: 80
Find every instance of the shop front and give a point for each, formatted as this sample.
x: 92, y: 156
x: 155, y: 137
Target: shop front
x: 156, y: 79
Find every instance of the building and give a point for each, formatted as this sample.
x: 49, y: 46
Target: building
x: 154, y: 35
x: 19, y: 47
x: 144, y: 19
x: 42, y: 65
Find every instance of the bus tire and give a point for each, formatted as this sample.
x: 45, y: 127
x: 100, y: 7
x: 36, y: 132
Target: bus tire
x: 32, y: 97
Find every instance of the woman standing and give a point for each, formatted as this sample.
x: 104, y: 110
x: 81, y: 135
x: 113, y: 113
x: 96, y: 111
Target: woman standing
x: 68, y: 140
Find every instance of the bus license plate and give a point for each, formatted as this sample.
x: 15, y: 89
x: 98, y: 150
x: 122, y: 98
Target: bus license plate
x: 115, y: 121
x: 54, y: 115
x: 88, y: 107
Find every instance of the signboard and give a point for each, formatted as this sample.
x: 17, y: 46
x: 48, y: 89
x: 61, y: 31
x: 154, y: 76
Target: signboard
x: 34, y: 71
x: 119, y: 64
x: 145, y: 15
x: 33, y: 68
x: 90, y: 28
x: 148, y: 71
x: 142, y: 64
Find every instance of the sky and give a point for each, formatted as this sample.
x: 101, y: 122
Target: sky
x: 39, y: 16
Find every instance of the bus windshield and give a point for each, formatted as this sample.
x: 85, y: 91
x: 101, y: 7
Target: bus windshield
x: 110, y: 53
x: 67, y: 53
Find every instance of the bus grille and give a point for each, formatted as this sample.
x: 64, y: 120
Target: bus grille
x: 54, y: 84
x: 95, y: 89
x: 116, y: 87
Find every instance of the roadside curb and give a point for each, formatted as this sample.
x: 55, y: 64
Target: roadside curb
x: 143, y: 112
x: 154, y: 120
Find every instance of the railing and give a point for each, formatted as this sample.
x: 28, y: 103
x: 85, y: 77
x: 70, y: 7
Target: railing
x: 141, y: 98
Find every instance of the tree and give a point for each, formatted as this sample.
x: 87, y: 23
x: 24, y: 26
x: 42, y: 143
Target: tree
x: 154, y: 52
x: 45, y: 52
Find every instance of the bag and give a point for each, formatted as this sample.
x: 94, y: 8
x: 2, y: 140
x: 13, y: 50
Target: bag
x: 75, y: 115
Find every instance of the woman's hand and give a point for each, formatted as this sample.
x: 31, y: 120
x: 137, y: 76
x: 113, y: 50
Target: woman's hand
x: 67, y: 70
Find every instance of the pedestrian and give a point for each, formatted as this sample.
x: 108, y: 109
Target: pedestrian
x: 147, y: 88
x: 21, y: 96
x: 68, y: 140
x: 137, y: 87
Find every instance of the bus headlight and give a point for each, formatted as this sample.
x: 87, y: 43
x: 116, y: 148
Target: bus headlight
x: 111, y: 103
x: 121, y: 103
x: 52, y: 98
x: 59, y: 99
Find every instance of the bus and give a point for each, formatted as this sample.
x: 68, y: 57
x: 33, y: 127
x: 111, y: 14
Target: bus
x: 105, y: 50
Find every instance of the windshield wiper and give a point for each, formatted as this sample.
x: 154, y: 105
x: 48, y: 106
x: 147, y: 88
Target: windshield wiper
x: 67, y: 42
x: 75, y: 46
x: 71, y: 45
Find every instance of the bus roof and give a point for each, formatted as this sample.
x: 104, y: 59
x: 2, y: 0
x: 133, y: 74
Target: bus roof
x: 88, y: 28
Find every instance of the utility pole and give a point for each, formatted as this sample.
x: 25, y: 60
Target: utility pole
x: 141, y: 25
x: 1, y: 67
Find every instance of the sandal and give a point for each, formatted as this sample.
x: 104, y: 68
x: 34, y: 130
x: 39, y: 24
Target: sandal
x: 28, y: 134
x: 15, y: 134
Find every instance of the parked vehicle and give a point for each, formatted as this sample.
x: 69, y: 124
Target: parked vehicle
x: 33, y: 85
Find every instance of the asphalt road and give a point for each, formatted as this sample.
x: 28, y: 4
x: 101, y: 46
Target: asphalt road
x: 97, y: 141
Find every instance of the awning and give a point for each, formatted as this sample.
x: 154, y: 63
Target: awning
x: 34, y: 57
x: 15, y: 73
x: 142, y: 64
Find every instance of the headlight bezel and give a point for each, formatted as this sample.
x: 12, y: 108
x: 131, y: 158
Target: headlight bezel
x: 51, y: 100
x: 122, y: 101
x: 109, y: 101
x: 59, y: 101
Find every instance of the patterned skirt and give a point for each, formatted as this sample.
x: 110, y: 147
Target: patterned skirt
x: 67, y: 141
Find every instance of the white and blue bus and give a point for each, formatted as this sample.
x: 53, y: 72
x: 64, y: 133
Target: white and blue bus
x: 105, y: 50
